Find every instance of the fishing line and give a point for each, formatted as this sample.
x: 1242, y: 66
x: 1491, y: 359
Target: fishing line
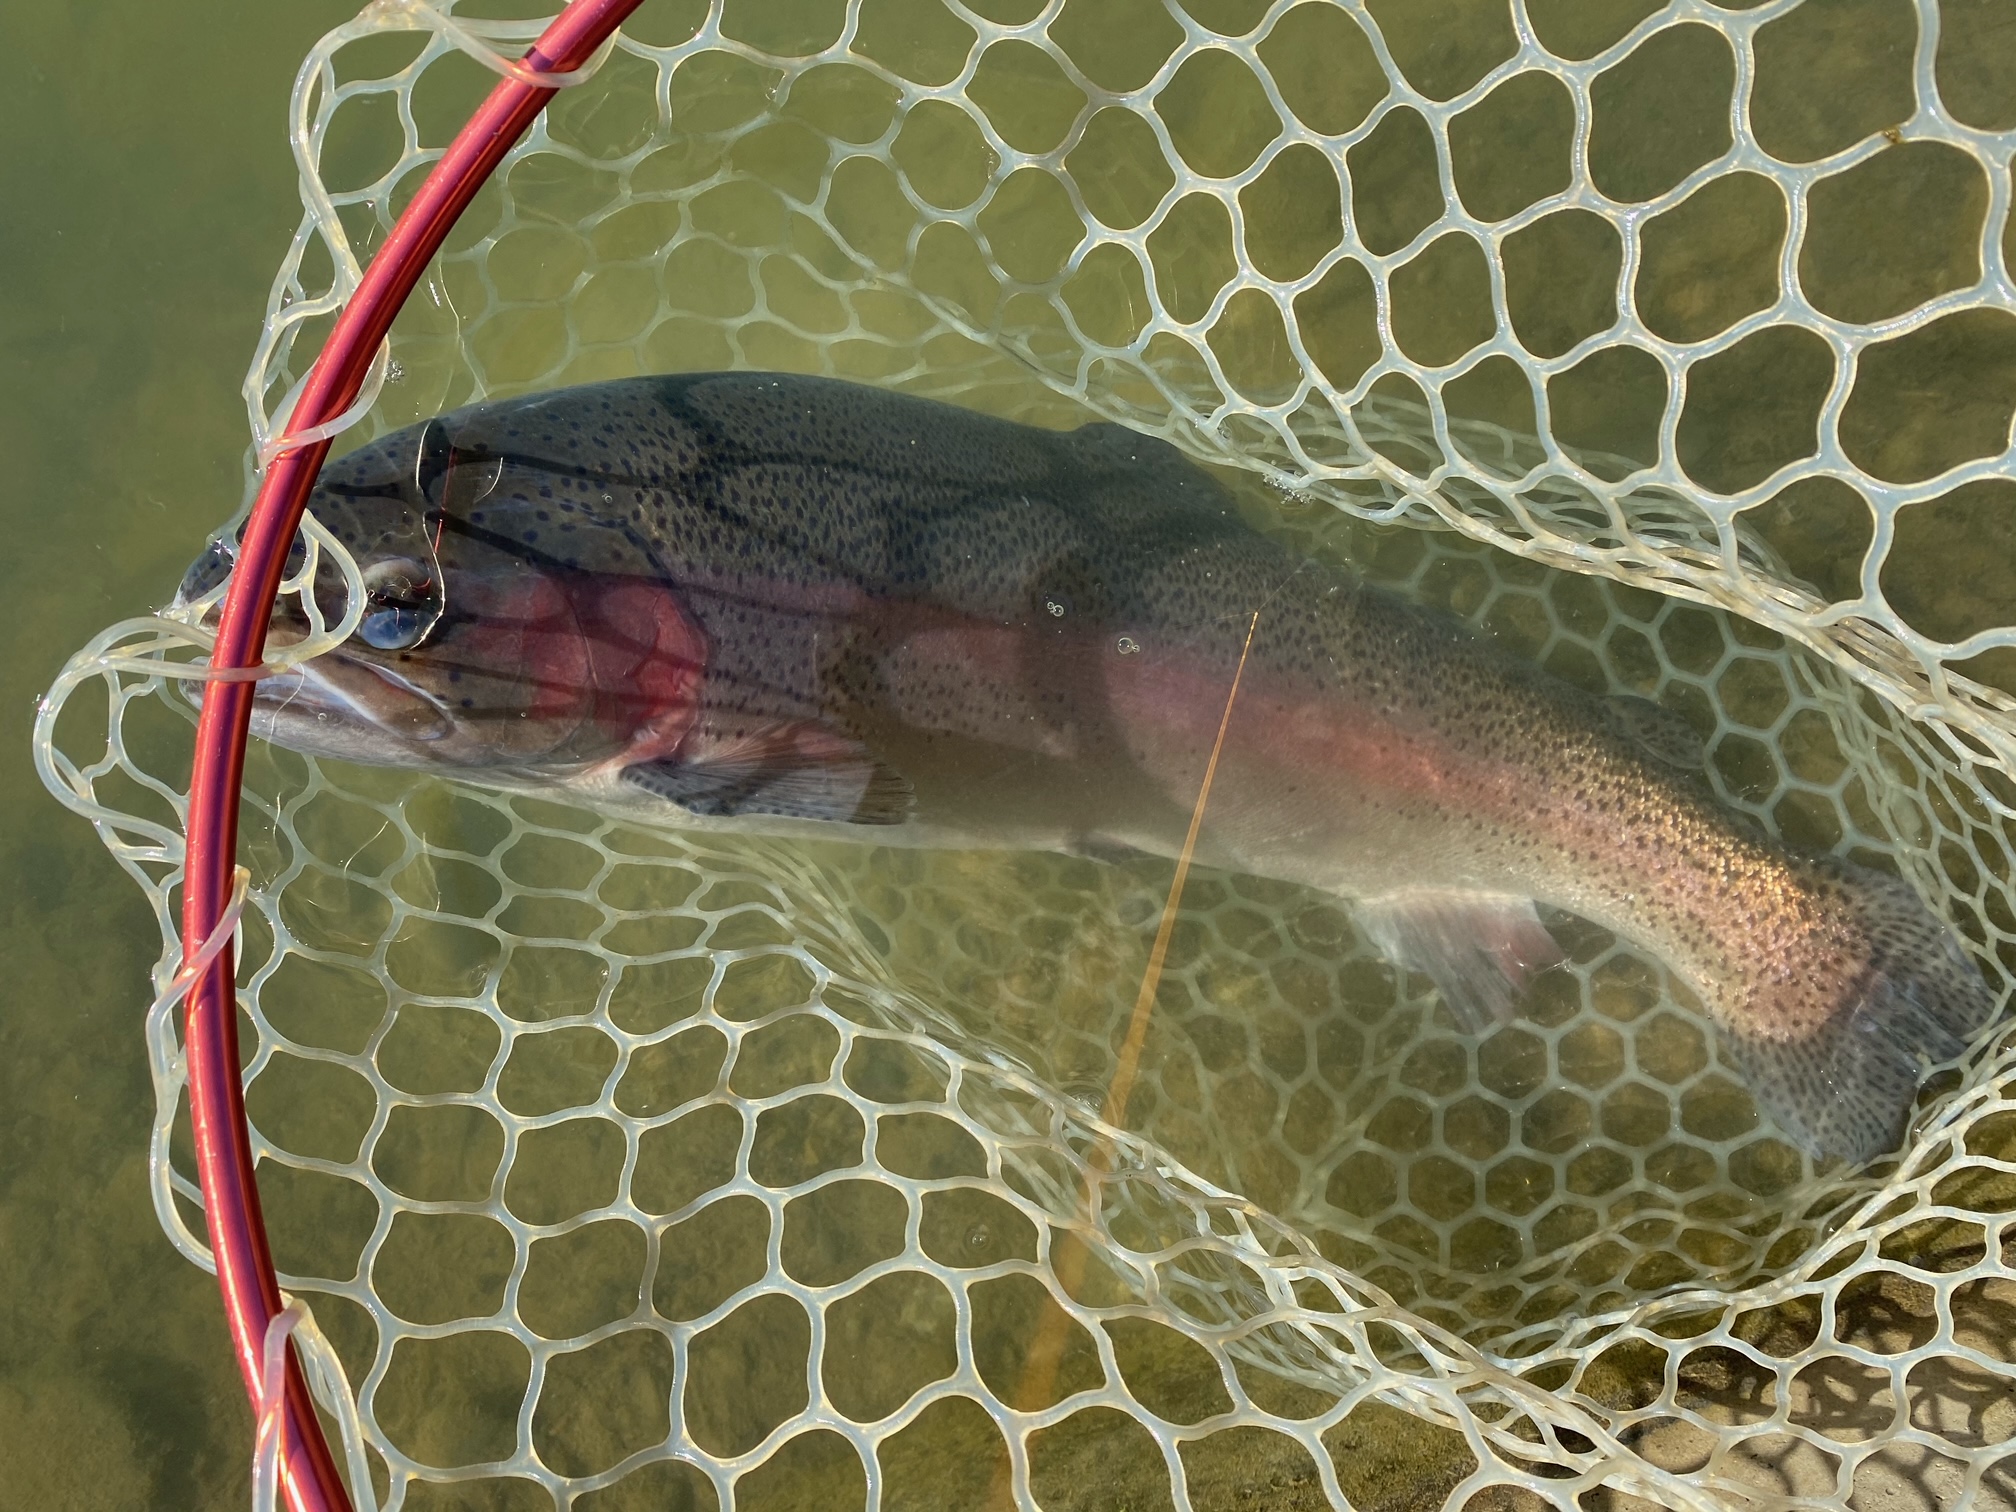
x: 1122, y: 1086
x: 1068, y: 1257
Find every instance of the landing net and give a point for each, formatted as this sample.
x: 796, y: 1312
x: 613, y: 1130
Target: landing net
x: 1674, y: 347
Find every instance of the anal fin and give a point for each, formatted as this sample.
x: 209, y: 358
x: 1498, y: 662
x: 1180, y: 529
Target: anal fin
x: 1479, y: 948
x: 795, y: 771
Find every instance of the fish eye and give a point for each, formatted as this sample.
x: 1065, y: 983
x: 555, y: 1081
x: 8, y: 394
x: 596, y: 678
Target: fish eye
x: 402, y: 602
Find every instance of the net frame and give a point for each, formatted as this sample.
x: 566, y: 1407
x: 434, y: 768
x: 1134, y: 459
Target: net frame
x: 290, y: 1433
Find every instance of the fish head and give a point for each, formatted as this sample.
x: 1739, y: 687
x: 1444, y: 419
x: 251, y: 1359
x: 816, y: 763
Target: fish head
x: 502, y: 628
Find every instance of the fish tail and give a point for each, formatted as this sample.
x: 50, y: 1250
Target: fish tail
x: 1903, y: 999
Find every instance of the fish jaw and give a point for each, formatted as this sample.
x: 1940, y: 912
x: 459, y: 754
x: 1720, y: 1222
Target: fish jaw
x: 342, y: 706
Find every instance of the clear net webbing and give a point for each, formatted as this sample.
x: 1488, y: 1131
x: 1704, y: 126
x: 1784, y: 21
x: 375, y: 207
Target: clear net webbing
x: 1675, y: 346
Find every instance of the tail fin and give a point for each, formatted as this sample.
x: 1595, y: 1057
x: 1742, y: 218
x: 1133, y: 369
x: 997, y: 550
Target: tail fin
x: 1913, y: 1000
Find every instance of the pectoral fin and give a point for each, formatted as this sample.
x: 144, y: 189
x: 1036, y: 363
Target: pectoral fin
x: 795, y: 771
x: 1480, y: 948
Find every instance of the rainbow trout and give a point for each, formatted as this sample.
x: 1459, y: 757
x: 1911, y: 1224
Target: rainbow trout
x: 805, y: 607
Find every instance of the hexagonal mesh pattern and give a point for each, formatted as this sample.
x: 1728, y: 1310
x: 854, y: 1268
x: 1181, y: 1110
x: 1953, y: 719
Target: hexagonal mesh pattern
x: 623, y: 1169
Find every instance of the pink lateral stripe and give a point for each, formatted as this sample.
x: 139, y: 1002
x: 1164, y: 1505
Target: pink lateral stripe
x: 308, y: 1474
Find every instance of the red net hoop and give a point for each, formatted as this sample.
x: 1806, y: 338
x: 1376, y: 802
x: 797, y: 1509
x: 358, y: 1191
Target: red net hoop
x: 306, y: 1470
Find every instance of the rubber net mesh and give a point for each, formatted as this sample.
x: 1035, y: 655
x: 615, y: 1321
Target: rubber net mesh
x: 1673, y: 346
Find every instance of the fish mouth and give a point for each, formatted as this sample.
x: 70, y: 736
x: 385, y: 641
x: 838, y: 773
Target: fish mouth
x: 339, y: 704
x: 344, y: 706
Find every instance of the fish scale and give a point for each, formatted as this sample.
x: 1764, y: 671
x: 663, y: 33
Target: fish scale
x: 872, y: 615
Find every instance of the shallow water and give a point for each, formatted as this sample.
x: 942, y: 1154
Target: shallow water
x: 130, y: 308
x: 150, y: 193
